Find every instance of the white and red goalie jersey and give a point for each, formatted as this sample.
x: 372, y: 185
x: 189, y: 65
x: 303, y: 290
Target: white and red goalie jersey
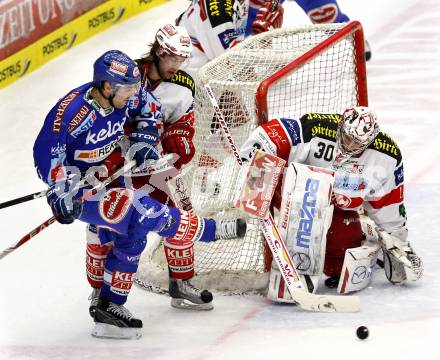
x: 374, y: 179
x: 214, y: 26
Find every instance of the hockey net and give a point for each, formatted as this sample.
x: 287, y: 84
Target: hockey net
x: 283, y: 73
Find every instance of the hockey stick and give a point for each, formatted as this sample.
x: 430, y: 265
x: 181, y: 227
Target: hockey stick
x: 42, y: 193
x: 306, y: 300
x: 22, y: 199
x: 51, y: 220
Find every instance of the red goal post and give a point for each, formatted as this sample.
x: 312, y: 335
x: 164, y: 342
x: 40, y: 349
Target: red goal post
x: 286, y: 73
x: 354, y: 29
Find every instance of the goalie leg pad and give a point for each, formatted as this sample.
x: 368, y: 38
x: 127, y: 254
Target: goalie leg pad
x: 359, y: 264
x: 305, y: 216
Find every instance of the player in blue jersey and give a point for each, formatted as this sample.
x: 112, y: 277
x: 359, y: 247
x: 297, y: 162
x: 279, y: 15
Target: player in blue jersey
x: 85, y: 129
x: 263, y: 16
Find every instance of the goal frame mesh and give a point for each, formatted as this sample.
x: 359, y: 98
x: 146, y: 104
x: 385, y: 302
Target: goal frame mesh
x: 252, y: 110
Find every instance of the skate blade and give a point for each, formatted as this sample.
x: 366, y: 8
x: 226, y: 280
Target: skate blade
x: 187, y: 305
x: 107, y: 331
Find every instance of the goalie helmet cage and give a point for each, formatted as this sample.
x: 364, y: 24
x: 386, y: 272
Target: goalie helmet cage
x: 284, y: 73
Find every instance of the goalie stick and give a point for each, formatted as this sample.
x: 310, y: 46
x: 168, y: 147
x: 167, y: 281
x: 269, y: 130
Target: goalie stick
x: 304, y: 299
x: 98, y: 187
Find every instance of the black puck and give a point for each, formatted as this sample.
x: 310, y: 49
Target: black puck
x: 206, y: 296
x: 362, y: 332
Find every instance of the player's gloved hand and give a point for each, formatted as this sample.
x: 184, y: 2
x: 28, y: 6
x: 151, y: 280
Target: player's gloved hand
x: 177, y: 139
x: 267, y: 18
x: 400, y: 260
x: 143, y: 145
x: 62, y: 202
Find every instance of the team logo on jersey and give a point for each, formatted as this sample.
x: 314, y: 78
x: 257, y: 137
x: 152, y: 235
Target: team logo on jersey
x: 324, y: 132
x: 219, y: 12
x: 317, y: 116
x: 386, y: 145
x: 398, y: 175
x: 98, y: 154
x: 341, y: 201
x: 58, y: 149
x: 115, y: 204
x: 183, y: 79
x: 133, y: 102
x: 152, y: 109
x: 293, y: 129
x: 113, y: 128
x: 324, y: 14
x: 85, y: 125
x: 59, y: 115
x: 350, y: 184
x: 227, y: 37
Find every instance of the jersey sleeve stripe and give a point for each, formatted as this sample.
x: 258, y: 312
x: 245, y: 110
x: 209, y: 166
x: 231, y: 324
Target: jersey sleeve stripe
x: 393, y: 197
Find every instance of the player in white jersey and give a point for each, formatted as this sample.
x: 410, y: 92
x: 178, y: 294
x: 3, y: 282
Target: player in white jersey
x: 214, y: 27
x: 174, y: 88
x: 368, y: 175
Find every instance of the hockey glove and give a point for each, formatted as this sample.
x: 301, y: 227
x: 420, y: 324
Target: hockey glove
x: 400, y: 261
x: 61, y: 200
x: 143, y: 145
x: 177, y: 139
x: 268, y: 19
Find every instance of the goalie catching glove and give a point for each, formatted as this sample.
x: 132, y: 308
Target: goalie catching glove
x: 268, y: 18
x: 177, y: 139
x: 400, y: 261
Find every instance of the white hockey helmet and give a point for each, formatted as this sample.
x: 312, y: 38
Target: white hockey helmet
x: 173, y: 40
x: 356, y: 130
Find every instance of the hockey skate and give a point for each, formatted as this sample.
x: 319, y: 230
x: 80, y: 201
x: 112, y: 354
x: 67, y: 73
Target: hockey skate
x: 230, y: 229
x: 185, y: 295
x: 115, y: 321
x: 94, y: 297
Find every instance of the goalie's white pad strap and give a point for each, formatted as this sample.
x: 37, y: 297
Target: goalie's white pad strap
x: 305, y: 215
x: 358, y: 268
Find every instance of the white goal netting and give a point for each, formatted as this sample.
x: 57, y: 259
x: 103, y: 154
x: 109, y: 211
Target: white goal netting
x: 283, y: 73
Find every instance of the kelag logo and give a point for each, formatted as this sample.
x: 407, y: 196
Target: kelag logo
x: 306, y: 213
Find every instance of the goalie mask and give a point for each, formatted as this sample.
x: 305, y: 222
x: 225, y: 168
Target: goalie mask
x: 173, y: 40
x: 356, y: 130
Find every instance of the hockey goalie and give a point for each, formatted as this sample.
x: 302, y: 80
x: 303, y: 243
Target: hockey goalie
x: 341, y: 200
